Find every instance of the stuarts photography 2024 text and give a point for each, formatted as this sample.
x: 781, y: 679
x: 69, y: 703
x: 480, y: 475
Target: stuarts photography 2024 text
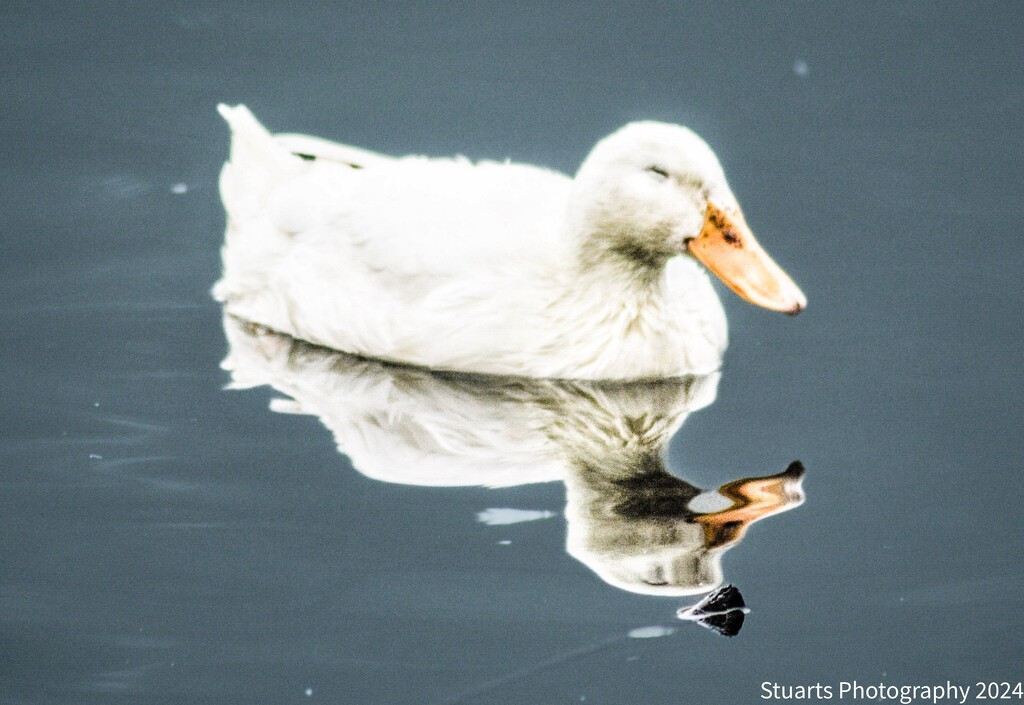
x: 904, y: 694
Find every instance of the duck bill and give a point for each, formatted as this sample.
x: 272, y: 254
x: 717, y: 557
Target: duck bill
x: 753, y: 499
x: 728, y: 248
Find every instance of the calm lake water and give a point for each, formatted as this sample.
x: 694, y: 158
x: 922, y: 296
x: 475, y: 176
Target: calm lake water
x: 164, y: 539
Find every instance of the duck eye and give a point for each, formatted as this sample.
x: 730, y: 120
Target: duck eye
x: 658, y: 171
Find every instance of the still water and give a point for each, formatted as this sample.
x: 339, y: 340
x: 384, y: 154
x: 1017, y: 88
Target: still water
x: 169, y: 533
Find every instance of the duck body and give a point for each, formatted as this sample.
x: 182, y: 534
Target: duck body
x: 481, y: 267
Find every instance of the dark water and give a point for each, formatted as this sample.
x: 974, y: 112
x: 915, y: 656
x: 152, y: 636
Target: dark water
x: 165, y: 540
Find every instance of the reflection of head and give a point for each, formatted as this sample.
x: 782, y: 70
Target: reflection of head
x: 642, y: 541
x: 638, y: 532
x: 628, y: 517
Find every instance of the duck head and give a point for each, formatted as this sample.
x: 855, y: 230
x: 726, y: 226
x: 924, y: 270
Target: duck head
x: 651, y: 191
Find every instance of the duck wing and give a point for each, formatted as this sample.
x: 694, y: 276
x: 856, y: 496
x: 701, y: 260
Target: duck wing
x: 317, y: 148
x: 413, y: 216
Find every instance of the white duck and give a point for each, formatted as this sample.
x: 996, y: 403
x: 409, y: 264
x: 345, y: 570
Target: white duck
x: 493, y: 267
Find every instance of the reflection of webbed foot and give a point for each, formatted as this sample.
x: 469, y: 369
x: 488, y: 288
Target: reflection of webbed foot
x: 753, y: 498
x: 721, y: 611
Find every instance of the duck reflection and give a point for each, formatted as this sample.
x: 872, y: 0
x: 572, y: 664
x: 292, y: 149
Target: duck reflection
x: 629, y: 519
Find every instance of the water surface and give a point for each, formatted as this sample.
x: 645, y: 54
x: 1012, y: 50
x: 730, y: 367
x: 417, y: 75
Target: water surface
x: 167, y: 540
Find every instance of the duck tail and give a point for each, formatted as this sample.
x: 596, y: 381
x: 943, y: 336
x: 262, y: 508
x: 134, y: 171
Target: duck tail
x: 252, y: 146
x: 256, y: 165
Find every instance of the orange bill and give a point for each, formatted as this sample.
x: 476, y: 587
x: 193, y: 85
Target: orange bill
x: 728, y: 248
x: 753, y: 498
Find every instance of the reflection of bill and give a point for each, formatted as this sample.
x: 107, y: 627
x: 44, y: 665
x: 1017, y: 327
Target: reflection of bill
x: 629, y: 519
x: 752, y: 499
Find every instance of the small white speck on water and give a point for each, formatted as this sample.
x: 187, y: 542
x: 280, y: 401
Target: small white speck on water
x: 800, y: 68
x: 505, y: 542
x: 95, y: 403
x: 652, y: 632
x: 94, y: 456
x: 309, y: 692
x: 497, y: 516
x: 179, y: 188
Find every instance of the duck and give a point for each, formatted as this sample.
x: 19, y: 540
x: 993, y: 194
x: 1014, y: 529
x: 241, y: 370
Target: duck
x: 493, y: 267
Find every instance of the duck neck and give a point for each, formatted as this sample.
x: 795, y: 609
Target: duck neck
x: 629, y: 265
x: 613, y: 315
x: 630, y: 279
x: 616, y: 250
